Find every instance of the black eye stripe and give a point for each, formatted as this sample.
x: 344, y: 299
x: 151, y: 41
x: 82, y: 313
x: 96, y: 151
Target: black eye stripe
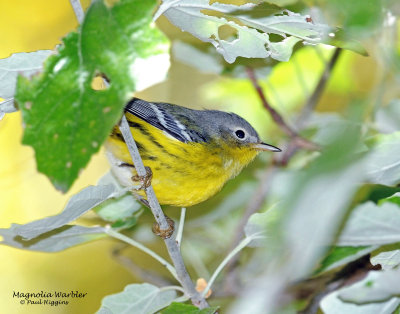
x: 240, y: 134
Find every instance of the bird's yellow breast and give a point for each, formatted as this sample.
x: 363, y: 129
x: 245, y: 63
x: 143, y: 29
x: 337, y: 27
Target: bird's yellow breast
x: 184, y: 174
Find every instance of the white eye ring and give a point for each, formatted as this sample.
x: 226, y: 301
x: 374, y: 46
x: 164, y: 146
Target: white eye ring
x: 240, y: 134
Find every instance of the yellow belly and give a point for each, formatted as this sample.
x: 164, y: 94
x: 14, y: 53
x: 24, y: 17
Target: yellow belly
x: 184, y: 174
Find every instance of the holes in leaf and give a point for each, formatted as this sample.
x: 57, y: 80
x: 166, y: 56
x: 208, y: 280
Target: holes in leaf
x: 211, y: 13
x: 275, y: 38
x: 100, y: 81
x: 228, y: 33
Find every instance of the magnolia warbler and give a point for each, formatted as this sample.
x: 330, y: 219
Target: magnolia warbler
x: 192, y: 153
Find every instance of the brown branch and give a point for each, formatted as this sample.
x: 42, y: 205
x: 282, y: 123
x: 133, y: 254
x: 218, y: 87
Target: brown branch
x: 144, y: 274
x: 300, y: 141
x: 316, y: 95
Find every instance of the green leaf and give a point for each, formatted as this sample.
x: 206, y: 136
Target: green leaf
x: 339, y: 38
x: 252, y: 24
x: 139, y: 299
x: 181, y: 308
x: 360, y: 18
x: 53, y: 241
x: 332, y: 304
x: 395, y: 199
x: 281, y: 2
x: 383, y: 163
x: 66, y: 121
x: 340, y: 256
x: 377, y: 286
x: 370, y: 224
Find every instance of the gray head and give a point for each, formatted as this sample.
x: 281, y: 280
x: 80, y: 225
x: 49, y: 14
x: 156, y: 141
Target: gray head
x: 233, y: 129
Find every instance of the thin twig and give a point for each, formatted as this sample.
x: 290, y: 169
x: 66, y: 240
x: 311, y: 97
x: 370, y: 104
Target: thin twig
x: 161, y: 220
x: 77, y: 7
x: 236, y: 250
x: 180, y: 227
x: 137, y: 271
x: 254, y: 205
x: 274, y: 114
x: 302, y: 142
x: 141, y: 171
x: 317, y: 93
x: 111, y: 232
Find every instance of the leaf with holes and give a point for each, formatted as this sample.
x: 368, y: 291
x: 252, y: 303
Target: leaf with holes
x: 251, y: 23
x: 66, y: 120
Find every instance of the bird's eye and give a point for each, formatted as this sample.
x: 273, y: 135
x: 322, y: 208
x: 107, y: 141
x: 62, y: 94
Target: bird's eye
x: 240, y: 134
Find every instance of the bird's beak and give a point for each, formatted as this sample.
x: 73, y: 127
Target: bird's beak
x: 265, y: 146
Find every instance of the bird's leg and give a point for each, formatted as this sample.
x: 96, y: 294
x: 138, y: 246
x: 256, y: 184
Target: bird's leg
x: 164, y: 233
x: 145, y: 183
x: 144, y: 180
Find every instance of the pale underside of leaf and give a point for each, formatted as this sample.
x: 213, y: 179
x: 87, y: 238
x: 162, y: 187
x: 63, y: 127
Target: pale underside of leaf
x: 53, y: 241
x: 251, y: 31
x: 26, y: 63
x: 138, y: 298
x: 387, y: 260
x: 377, y: 286
x: 370, y: 224
x: 76, y: 207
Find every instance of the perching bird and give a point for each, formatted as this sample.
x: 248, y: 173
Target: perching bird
x: 191, y: 153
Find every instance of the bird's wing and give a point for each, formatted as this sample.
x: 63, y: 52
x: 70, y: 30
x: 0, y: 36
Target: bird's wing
x: 157, y: 116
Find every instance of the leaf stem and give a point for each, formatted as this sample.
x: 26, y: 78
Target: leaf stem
x: 160, y: 218
x: 111, y: 232
x: 317, y: 93
x: 139, y: 272
x: 177, y: 288
x: 236, y: 250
